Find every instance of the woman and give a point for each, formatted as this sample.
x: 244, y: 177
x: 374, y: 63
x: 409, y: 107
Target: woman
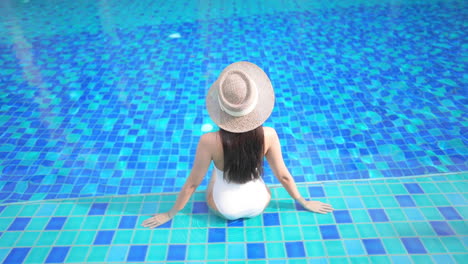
x: 239, y: 102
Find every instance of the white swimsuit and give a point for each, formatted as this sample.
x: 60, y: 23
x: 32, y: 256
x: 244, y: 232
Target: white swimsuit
x: 235, y: 200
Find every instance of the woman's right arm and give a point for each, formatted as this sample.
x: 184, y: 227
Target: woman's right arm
x: 275, y: 160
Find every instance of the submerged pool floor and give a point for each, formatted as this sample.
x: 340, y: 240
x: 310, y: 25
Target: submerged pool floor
x: 405, y: 220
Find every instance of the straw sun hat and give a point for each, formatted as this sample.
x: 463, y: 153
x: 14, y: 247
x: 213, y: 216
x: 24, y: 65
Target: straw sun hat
x: 241, y: 99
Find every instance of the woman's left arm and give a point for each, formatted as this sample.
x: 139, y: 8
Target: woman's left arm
x: 200, y: 167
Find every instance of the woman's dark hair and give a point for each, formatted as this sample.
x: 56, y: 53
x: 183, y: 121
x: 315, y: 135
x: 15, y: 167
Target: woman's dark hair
x: 243, y: 155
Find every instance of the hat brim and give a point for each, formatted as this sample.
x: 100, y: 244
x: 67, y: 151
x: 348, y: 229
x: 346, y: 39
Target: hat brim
x: 258, y: 115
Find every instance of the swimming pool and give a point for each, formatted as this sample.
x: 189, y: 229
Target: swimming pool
x: 107, y: 97
x: 102, y: 102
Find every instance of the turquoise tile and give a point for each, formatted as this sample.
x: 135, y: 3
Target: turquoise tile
x: 98, y: 254
x: 29, y: 210
x: 394, y: 246
x: 92, y: 222
x: 439, y: 200
x: 348, y: 231
x: 365, y: 189
x: 349, y: 190
x: 196, y: 252
x: 158, y: 253
x: 197, y: 236
x: 381, y: 189
x: 85, y: 238
x: 366, y: 230
x: 307, y: 218
x: 332, y: 190
x: 453, y: 244
x: 289, y: 219
x: 380, y: 259
x: 236, y: 235
x: 73, y: 223
x: 421, y: 259
x: 27, y: 239
x: 77, y: 254
x: 433, y: 244
x: 11, y: 211
x: 110, y: 222
x: 292, y: 233
x: 397, y: 189
x: 309, y: 233
x: 142, y: 237
x: 63, y: 209
x: 254, y: 235
x: 120, y: 236
x: 360, y: 216
x: 371, y: 202
x: 66, y: 238
x: 423, y: 229
x: 460, y: 258
x: 447, y: 187
x: 315, y: 248
x: 8, y: 239
x: 237, y: 251
x: 385, y: 230
x: 47, y: 238
x: 250, y: 222
x: 338, y: 203
x: 338, y: 260
x: 178, y: 236
x: 334, y: 248
x: 37, y: 255
x: 117, y: 254
x: 160, y: 236
x: 359, y: 260
x: 429, y: 188
x: 431, y: 214
x: 216, y: 251
x: 404, y: 229
x: 6, y: 222
x: 273, y: 233
x: 422, y: 200
x: 396, y: 214
x: 275, y: 250
x: 388, y: 201
x: 460, y: 227
x: 323, y: 219
x: 181, y: 221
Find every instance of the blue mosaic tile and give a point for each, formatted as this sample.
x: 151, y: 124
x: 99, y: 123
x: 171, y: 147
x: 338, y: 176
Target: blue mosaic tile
x: 57, y: 255
x: 137, y: 253
x: 255, y: 250
x: 271, y: 219
x: 216, y: 235
x: 295, y: 249
x: 176, y: 252
x: 56, y: 223
x: 19, y: 223
x: 104, y: 237
x: 450, y: 213
x: 442, y: 228
x: 342, y: 216
x: 405, y: 200
x: 413, y: 245
x: 378, y: 215
x: 127, y: 222
x: 16, y: 255
x: 329, y: 232
x: 373, y: 246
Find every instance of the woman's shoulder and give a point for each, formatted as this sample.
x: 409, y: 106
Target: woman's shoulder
x: 269, y: 132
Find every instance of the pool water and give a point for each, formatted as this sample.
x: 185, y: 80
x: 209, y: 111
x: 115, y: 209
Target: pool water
x: 102, y: 102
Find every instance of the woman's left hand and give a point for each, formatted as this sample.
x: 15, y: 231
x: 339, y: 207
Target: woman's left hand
x: 156, y: 220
